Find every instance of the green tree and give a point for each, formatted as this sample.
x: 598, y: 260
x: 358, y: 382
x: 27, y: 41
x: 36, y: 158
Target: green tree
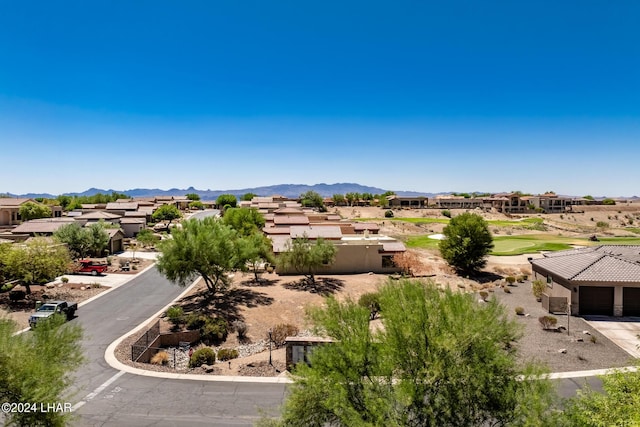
x: 311, y: 199
x: 64, y: 201
x: 306, y: 257
x: 619, y: 405
x: 339, y: 200
x: 426, y: 366
x: 31, y: 210
x: 5, y: 272
x: 206, y: 247
x: 38, y: 262
x: 244, y: 220
x: 196, y: 205
x: 146, y: 237
x: 608, y: 202
x: 467, y: 242
x: 192, y: 196
x: 226, y: 199
x: 37, y: 367
x: 255, y: 250
x: 98, y: 238
x: 166, y: 213
x: 247, y: 197
x: 588, y: 197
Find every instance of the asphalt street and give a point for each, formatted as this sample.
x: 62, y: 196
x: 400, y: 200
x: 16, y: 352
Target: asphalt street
x: 106, y: 397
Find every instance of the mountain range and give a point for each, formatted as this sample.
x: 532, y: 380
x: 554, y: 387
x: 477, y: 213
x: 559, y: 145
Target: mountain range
x: 287, y: 190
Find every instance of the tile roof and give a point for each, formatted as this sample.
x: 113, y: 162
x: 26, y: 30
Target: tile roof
x: 361, y: 226
x: 128, y: 206
x: 605, y: 263
x: 290, y: 219
x: 98, y: 215
x: 6, y: 202
x: 314, y: 232
x: 290, y: 210
x: 42, y: 226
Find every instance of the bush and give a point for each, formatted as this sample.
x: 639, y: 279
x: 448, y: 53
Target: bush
x: 520, y: 279
x: 227, y: 354
x: 510, y: 280
x: 547, y: 322
x: 175, y: 314
x: 538, y: 287
x: 519, y: 311
x: 195, y: 321
x: 64, y: 279
x: 446, y: 213
x: 593, y: 339
x: 203, y: 356
x: 214, y: 330
x: 241, y: 328
x: 279, y: 333
x: 370, y: 300
x: 484, y: 295
x: 506, y: 290
x: 160, y: 358
x: 602, y: 224
x: 388, y: 213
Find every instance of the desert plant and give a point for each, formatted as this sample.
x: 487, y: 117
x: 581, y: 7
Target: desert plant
x: 195, y: 321
x: 593, y: 339
x: 506, y: 289
x: 446, y: 213
x: 241, y: 328
x: 547, y: 322
x: 602, y: 224
x: 388, y: 213
x: 510, y: 280
x: 520, y: 279
x: 227, y: 354
x: 214, y: 330
x: 202, y: 356
x: 160, y: 358
x: 280, y: 332
x: 484, y: 295
x: 175, y: 314
x: 538, y: 287
x: 370, y: 300
x: 64, y: 279
x: 519, y: 311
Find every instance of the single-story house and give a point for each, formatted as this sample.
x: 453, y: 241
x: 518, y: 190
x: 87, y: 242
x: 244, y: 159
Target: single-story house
x: 602, y: 280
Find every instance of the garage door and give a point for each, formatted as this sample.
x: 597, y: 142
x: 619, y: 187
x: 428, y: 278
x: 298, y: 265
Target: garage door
x: 631, y: 302
x: 596, y: 300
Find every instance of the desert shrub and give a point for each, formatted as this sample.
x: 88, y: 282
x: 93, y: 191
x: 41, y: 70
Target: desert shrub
x: 241, y: 328
x: 202, y: 356
x: 446, y: 213
x: 388, y: 213
x: 519, y: 311
x: 64, y: 279
x: 547, y: 322
x: 175, y: 314
x: 17, y: 295
x: 370, y: 300
x: 484, y: 295
x: 279, y: 333
x: 160, y: 358
x: 506, y: 290
x: 510, y: 280
x: 227, y: 354
x: 408, y: 262
x: 593, y: 339
x: 602, y: 224
x: 538, y: 287
x: 520, y: 279
x: 195, y: 321
x: 214, y: 330
x: 96, y: 285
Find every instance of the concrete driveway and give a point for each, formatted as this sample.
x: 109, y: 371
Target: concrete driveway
x: 622, y: 331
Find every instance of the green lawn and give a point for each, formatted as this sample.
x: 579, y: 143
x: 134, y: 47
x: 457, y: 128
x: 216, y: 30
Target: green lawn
x: 528, y: 244
x: 633, y: 229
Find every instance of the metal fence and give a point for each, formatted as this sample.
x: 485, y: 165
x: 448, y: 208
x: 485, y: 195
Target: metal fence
x: 143, y: 343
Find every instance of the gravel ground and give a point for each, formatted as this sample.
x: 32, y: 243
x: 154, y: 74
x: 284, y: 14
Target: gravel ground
x: 545, y: 346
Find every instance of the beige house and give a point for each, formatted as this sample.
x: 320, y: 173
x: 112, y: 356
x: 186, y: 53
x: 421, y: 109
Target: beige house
x: 407, y: 202
x: 10, y: 210
x: 602, y: 280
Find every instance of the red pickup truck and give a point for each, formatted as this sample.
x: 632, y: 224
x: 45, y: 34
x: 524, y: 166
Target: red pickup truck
x: 93, y: 267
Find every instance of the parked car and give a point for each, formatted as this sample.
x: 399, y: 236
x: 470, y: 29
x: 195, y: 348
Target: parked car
x: 50, y: 308
x: 92, y: 267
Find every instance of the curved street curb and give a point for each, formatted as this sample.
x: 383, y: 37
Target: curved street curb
x: 110, y: 357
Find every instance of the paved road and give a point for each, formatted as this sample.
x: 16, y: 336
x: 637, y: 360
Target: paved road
x: 136, y: 400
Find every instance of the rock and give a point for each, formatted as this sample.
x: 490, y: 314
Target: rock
x: 586, y: 332
x: 207, y: 368
x: 579, y: 339
x: 50, y: 286
x: 563, y: 351
x: 527, y: 315
x: 82, y: 288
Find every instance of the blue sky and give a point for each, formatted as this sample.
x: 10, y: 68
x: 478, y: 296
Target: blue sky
x: 405, y: 95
